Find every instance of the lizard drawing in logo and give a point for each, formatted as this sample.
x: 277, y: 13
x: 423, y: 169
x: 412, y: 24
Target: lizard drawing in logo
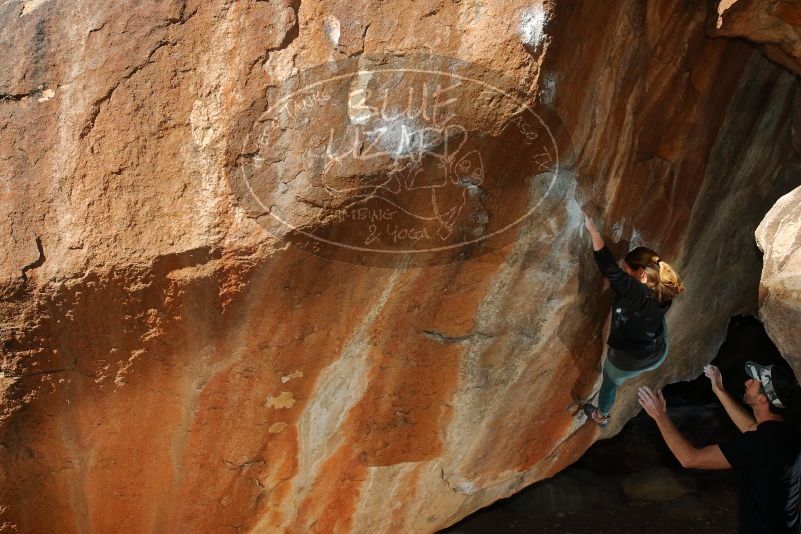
x: 428, y: 174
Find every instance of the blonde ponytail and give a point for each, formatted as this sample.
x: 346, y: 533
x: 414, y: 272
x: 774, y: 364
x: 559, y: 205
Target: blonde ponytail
x: 663, y: 280
x: 666, y: 283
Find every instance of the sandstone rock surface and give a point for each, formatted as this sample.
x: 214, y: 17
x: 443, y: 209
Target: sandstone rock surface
x: 779, y: 237
x: 774, y: 25
x: 172, y: 362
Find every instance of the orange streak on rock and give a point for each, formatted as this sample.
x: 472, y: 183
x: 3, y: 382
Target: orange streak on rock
x: 330, y: 505
x: 405, y: 405
x: 572, y: 449
x: 545, y: 410
x: 253, y: 465
x: 407, y: 491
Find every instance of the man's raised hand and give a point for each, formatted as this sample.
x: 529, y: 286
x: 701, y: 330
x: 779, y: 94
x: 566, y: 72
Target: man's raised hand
x: 715, y: 379
x: 653, y: 403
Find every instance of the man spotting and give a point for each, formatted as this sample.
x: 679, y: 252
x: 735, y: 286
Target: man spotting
x: 767, y: 454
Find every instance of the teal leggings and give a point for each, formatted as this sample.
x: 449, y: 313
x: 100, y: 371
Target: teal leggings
x: 614, y: 378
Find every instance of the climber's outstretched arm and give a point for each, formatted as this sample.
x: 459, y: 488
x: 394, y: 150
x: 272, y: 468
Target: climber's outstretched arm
x: 739, y: 416
x: 624, y: 284
x: 597, y: 240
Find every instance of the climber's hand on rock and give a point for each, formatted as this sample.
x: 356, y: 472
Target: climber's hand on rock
x: 595, y: 235
x: 589, y: 224
x: 653, y: 403
x: 715, y: 379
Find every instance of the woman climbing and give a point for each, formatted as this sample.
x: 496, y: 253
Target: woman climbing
x: 638, y: 339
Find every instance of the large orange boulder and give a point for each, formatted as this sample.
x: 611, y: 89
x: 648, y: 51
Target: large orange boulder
x: 319, y: 266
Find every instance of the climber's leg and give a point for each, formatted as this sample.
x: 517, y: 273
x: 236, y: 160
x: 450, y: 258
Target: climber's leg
x: 613, y: 378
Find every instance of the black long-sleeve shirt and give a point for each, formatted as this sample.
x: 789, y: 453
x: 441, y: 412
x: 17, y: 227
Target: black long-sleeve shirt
x: 637, y: 331
x: 768, y: 463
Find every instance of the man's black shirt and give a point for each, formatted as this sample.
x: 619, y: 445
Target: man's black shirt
x: 768, y: 460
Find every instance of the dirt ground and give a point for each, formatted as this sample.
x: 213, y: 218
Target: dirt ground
x: 711, y: 513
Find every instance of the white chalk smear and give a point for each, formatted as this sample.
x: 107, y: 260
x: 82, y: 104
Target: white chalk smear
x: 332, y: 29
x: 401, y: 137
x: 548, y: 88
x: 46, y: 95
x: 532, y: 25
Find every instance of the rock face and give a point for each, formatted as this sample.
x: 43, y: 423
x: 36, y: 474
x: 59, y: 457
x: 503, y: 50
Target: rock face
x: 776, y: 28
x: 779, y: 237
x: 201, y: 330
x: 774, y: 25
